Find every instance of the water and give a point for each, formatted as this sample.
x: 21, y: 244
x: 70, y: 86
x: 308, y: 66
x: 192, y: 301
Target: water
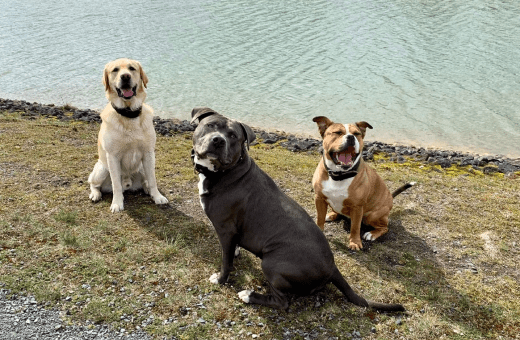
x: 429, y: 73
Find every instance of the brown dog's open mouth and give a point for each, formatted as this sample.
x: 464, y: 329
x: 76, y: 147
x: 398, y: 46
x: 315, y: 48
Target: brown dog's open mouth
x: 345, y: 158
x: 126, y: 93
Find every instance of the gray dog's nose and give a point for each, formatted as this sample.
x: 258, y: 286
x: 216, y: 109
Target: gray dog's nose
x: 218, y: 141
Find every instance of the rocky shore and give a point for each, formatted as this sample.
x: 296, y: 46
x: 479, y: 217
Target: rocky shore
x: 400, y: 154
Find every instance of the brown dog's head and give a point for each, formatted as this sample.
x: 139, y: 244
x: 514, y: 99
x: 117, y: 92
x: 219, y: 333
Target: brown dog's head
x: 124, y: 81
x: 218, y: 142
x: 342, y: 143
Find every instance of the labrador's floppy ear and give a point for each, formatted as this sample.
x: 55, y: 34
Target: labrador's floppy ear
x: 249, y: 134
x: 323, y: 123
x: 105, y: 78
x: 199, y: 113
x: 363, y: 127
x: 144, y: 77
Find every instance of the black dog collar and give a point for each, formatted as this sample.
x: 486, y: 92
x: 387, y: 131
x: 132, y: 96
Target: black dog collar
x: 128, y: 113
x: 341, y: 175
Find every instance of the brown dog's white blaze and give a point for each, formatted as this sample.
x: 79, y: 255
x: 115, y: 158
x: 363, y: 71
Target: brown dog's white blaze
x: 343, y: 142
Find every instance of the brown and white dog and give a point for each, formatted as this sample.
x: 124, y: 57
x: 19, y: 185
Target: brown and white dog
x: 126, y: 140
x: 348, y: 185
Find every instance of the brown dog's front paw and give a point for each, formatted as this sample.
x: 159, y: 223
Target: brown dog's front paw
x: 355, y: 245
x: 331, y: 217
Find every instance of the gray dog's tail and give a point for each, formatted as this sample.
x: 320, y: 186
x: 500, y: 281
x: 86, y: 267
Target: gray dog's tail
x: 403, y: 188
x: 338, y: 281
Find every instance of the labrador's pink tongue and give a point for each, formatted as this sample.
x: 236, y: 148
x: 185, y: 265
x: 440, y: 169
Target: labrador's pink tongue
x: 345, y: 158
x: 128, y: 93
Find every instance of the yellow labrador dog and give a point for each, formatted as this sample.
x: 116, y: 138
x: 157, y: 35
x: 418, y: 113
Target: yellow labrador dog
x: 126, y: 141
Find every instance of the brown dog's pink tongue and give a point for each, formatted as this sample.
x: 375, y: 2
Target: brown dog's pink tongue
x: 128, y: 93
x: 345, y: 158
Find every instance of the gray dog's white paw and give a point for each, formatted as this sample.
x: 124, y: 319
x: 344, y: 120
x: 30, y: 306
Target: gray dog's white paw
x: 214, y: 278
x: 244, y: 295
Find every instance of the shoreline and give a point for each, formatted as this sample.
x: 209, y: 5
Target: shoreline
x: 488, y: 164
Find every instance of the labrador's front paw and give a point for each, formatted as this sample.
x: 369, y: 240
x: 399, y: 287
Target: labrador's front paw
x: 95, y: 195
x: 116, y: 207
x: 160, y: 199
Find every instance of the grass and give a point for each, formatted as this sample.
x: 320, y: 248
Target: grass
x: 450, y: 257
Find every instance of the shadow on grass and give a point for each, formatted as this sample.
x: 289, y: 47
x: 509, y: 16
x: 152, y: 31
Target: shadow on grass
x: 402, y: 256
x: 171, y: 225
x: 176, y: 228
x: 397, y: 256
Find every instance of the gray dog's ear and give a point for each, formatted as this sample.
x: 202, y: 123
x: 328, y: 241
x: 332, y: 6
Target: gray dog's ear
x: 199, y: 113
x: 248, y: 133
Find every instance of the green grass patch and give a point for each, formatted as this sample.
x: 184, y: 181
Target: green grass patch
x: 450, y: 256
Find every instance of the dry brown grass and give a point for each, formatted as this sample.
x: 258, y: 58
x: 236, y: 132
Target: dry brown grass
x: 451, y: 256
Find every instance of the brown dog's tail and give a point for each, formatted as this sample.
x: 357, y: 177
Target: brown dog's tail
x: 403, y: 188
x: 338, y: 281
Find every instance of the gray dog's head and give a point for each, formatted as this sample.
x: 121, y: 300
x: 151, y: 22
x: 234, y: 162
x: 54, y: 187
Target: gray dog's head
x: 218, y: 142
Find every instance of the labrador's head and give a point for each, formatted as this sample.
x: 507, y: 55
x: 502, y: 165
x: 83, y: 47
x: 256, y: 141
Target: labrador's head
x: 125, y: 81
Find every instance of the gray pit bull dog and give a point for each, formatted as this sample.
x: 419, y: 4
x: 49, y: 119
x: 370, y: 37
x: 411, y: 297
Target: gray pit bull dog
x: 247, y: 209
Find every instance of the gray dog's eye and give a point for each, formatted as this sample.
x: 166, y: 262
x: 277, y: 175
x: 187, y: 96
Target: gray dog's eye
x: 232, y: 135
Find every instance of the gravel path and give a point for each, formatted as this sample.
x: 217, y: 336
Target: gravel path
x: 22, y: 317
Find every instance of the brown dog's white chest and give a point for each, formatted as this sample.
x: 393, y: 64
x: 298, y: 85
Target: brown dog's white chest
x: 336, y: 192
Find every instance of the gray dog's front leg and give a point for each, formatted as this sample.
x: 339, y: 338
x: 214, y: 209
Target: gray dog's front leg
x: 228, y: 245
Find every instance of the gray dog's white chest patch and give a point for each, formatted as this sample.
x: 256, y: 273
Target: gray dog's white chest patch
x: 202, y: 190
x: 206, y: 162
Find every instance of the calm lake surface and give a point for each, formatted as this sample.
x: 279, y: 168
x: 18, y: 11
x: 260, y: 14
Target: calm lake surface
x: 429, y: 73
